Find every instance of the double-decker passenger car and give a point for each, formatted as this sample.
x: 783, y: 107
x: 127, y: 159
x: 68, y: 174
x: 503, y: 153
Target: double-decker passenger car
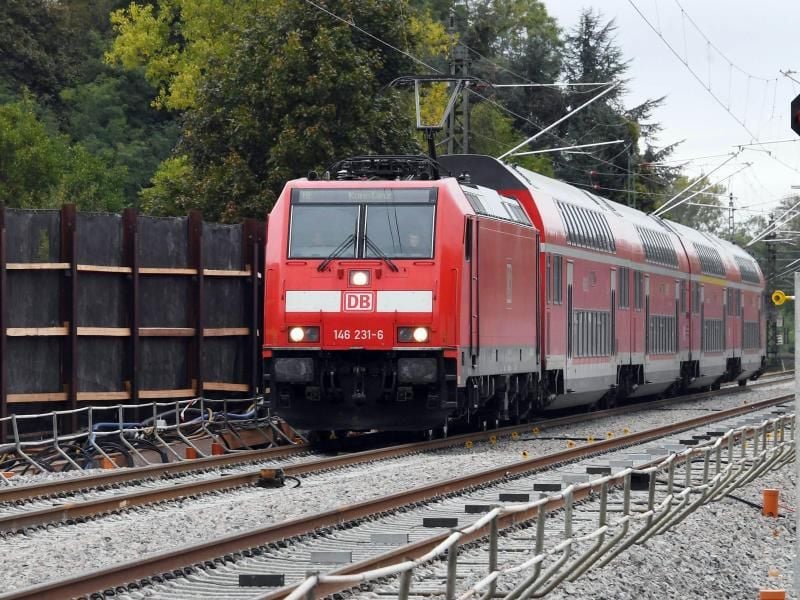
x: 631, y: 304
x: 399, y: 301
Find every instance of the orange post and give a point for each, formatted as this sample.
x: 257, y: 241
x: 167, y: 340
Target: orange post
x: 770, y: 508
x: 217, y: 449
x: 772, y: 595
x: 191, y: 453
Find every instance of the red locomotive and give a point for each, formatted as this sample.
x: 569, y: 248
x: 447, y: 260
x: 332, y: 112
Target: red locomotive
x: 396, y: 299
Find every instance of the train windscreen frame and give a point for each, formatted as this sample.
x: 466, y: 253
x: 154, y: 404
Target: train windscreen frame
x: 366, y: 223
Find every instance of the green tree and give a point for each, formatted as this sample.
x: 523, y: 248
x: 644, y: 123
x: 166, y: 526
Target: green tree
x: 290, y: 90
x: 40, y: 169
x: 493, y: 133
x: 705, y: 211
x: 593, y: 56
x: 35, y: 44
x: 110, y: 116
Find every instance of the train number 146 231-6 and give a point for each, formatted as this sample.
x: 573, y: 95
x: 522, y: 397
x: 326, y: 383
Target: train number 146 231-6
x: 364, y: 335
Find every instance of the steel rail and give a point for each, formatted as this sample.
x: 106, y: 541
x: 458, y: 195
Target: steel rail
x: 82, y: 483
x: 117, y: 476
x: 177, y: 560
x: 69, y: 511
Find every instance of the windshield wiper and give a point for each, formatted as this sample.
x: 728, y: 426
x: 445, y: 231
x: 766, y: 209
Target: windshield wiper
x: 380, y: 253
x: 336, y: 252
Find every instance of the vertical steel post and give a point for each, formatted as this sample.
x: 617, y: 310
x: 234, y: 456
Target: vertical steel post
x: 196, y: 301
x: 3, y: 312
x: 452, y: 570
x: 253, y: 239
x: 796, y: 416
x: 69, y: 309
x: 405, y: 585
x: 130, y: 258
x: 493, y: 542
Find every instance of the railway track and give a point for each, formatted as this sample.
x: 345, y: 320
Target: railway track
x: 257, y: 545
x: 24, y: 507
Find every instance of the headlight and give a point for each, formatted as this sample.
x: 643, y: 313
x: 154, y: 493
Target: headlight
x: 407, y: 335
x: 359, y: 278
x: 421, y: 334
x: 304, y: 334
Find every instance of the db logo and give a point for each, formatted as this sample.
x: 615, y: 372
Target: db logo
x: 359, y: 301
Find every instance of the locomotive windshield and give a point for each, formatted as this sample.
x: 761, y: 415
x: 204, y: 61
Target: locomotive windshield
x: 369, y: 222
x: 317, y: 231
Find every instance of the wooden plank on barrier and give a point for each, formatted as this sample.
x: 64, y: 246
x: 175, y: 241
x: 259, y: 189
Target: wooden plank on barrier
x: 104, y: 331
x: 37, y: 397
x: 37, y: 331
x: 226, y: 331
x: 96, y: 396
x: 166, y: 271
x: 156, y: 394
x: 103, y: 269
x: 226, y: 273
x: 166, y: 331
x: 221, y: 386
x: 56, y: 266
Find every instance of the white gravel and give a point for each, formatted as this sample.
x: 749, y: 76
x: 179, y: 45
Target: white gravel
x: 119, y: 538
x: 724, y: 550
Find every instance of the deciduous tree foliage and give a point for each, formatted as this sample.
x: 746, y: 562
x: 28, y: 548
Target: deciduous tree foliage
x: 591, y: 55
x: 712, y: 218
x: 39, y: 169
x: 35, y: 47
x: 291, y: 90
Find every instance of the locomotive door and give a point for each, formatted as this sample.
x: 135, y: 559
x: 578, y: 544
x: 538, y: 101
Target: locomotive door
x: 471, y: 250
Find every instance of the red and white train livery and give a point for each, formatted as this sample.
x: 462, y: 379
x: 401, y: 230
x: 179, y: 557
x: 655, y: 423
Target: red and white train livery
x: 398, y: 300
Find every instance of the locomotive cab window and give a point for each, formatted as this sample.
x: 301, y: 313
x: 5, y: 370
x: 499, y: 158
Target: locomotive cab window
x: 399, y: 231
x: 317, y: 231
x: 362, y: 223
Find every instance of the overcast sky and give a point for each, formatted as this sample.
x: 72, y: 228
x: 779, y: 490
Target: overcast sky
x: 760, y: 38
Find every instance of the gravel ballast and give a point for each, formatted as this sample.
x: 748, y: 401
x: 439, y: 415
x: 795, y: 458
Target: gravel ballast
x: 725, y: 550
x: 124, y: 537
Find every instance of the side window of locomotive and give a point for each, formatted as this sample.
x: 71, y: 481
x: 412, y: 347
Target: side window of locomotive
x: 399, y: 231
x: 315, y: 230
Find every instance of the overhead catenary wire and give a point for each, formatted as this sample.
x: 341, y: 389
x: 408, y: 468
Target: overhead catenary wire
x: 500, y: 106
x: 677, y: 204
x: 666, y: 206
x: 574, y: 147
x: 561, y: 120
x: 707, y: 88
